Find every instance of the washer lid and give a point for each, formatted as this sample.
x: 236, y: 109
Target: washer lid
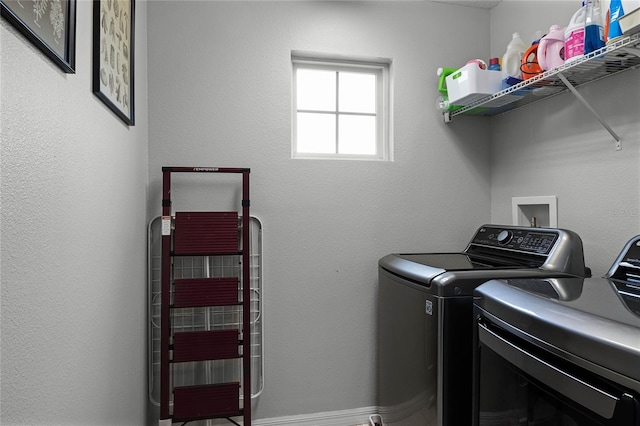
x: 457, y: 261
x: 424, y: 267
x: 585, y: 318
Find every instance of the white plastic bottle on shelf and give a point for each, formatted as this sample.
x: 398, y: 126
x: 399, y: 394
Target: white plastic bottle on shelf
x: 512, y: 58
x: 574, y: 36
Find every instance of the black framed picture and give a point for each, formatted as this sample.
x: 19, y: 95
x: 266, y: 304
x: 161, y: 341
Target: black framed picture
x: 113, y: 56
x: 48, y: 24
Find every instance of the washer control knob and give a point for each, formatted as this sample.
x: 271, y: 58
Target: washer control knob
x: 504, y: 237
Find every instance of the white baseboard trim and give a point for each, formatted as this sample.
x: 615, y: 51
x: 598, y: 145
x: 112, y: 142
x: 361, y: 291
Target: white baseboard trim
x: 405, y: 411
x: 357, y: 416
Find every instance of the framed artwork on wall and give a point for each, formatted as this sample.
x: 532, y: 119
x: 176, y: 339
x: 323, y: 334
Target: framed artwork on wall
x: 49, y: 24
x: 113, y: 56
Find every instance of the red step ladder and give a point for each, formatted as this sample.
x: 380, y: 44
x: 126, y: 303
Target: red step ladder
x: 204, y: 234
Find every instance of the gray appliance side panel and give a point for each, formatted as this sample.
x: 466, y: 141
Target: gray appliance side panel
x: 407, y: 349
x: 567, y: 255
x: 425, y: 348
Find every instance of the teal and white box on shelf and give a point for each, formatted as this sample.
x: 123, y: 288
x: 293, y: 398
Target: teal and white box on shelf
x: 470, y: 84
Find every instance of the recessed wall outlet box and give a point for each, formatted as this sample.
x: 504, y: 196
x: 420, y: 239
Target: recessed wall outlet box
x: 539, y: 211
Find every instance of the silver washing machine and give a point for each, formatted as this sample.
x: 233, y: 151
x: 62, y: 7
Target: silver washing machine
x: 560, y: 351
x: 425, y: 316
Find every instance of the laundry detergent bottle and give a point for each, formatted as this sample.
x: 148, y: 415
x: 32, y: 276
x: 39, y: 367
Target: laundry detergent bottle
x: 593, y: 27
x: 551, y: 49
x: 530, y: 63
x: 574, y: 36
x: 512, y: 58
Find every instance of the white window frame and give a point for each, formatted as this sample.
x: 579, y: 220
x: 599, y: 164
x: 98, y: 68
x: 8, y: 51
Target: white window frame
x: 379, y: 67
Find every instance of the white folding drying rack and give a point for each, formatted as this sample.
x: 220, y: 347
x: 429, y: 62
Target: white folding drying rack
x: 206, y: 318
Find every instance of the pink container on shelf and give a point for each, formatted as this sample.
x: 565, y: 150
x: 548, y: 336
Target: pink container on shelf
x: 551, y: 49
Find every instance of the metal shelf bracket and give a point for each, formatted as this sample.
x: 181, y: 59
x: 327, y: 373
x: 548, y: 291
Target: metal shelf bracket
x: 581, y: 98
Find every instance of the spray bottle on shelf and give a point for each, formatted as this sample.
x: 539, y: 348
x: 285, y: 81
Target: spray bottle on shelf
x: 512, y: 58
x: 593, y: 27
x: 442, y: 102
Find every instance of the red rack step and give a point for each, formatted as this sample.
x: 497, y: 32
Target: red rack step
x: 205, y: 233
x: 205, y: 345
x: 199, y: 292
x: 206, y: 401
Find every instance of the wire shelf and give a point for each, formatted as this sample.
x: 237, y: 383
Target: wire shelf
x: 620, y: 55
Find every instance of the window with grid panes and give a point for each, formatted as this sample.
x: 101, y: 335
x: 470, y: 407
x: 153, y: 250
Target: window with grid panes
x: 341, y: 109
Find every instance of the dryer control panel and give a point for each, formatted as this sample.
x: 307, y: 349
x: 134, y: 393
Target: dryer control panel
x: 529, y: 240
